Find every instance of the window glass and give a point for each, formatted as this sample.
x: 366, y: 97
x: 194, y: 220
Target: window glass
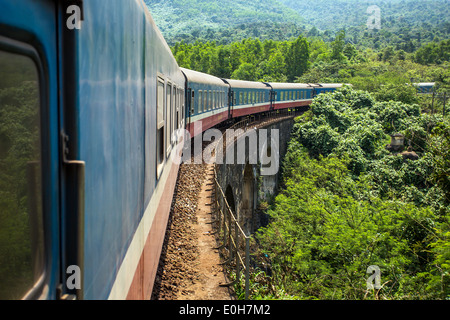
x: 21, y: 220
x: 160, y: 131
x: 168, y: 116
x: 160, y: 94
x: 200, y: 101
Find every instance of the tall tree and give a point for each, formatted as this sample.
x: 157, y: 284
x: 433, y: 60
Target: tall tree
x: 297, y: 56
x: 337, y: 47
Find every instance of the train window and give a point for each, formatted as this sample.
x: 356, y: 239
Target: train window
x: 182, y: 107
x: 160, y: 121
x: 205, y: 101
x: 209, y: 99
x: 168, y: 116
x: 214, y: 100
x: 241, y: 97
x: 21, y: 214
x: 177, y: 119
x: 200, y: 101
x: 174, y: 110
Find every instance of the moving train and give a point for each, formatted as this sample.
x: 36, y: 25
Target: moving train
x: 89, y: 96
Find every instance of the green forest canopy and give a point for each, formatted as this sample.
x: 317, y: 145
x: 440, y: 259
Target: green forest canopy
x: 347, y: 203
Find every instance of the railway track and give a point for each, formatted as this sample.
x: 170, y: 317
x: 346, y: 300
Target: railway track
x: 190, y: 266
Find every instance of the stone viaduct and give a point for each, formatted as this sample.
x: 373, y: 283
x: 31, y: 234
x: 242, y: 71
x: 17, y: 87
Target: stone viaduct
x: 252, y: 178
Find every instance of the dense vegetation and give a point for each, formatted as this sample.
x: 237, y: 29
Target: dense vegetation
x: 19, y: 157
x: 348, y: 203
x: 225, y: 20
x: 386, y: 73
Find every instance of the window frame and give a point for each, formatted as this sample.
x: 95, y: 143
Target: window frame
x: 13, y: 46
x: 161, y: 126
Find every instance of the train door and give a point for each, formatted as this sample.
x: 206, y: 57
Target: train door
x: 231, y: 103
x: 273, y: 98
x: 41, y: 189
x: 29, y: 151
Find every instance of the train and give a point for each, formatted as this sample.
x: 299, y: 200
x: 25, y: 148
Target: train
x: 211, y: 100
x: 90, y: 95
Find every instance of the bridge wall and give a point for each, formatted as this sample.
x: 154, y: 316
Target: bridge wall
x: 247, y: 184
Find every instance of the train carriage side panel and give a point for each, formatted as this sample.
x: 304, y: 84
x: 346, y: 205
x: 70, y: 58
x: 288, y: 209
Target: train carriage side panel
x: 119, y: 64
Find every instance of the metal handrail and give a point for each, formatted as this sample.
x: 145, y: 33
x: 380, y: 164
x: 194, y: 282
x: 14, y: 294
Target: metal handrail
x: 233, y: 244
x: 230, y: 217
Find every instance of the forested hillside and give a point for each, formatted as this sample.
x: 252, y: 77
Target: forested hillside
x: 405, y: 24
x: 226, y: 20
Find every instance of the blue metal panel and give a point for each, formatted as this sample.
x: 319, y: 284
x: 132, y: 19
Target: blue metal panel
x: 119, y: 55
x: 111, y: 142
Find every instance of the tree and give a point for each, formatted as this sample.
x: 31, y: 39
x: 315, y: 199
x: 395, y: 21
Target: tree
x: 246, y: 71
x: 296, y: 58
x: 337, y: 47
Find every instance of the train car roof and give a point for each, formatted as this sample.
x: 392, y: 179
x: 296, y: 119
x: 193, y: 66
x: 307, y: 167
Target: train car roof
x: 246, y: 84
x: 280, y: 85
x: 200, y: 77
x: 331, y: 85
x: 424, y: 84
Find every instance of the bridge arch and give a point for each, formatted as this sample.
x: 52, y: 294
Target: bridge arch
x: 248, y: 199
x: 229, y: 196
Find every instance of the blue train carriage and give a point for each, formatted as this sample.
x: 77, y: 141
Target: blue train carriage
x: 248, y: 97
x: 425, y: 87
x: 291, y: 95
x: 96, y: 180
x: 130, y: 102
x: 206, y: 101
